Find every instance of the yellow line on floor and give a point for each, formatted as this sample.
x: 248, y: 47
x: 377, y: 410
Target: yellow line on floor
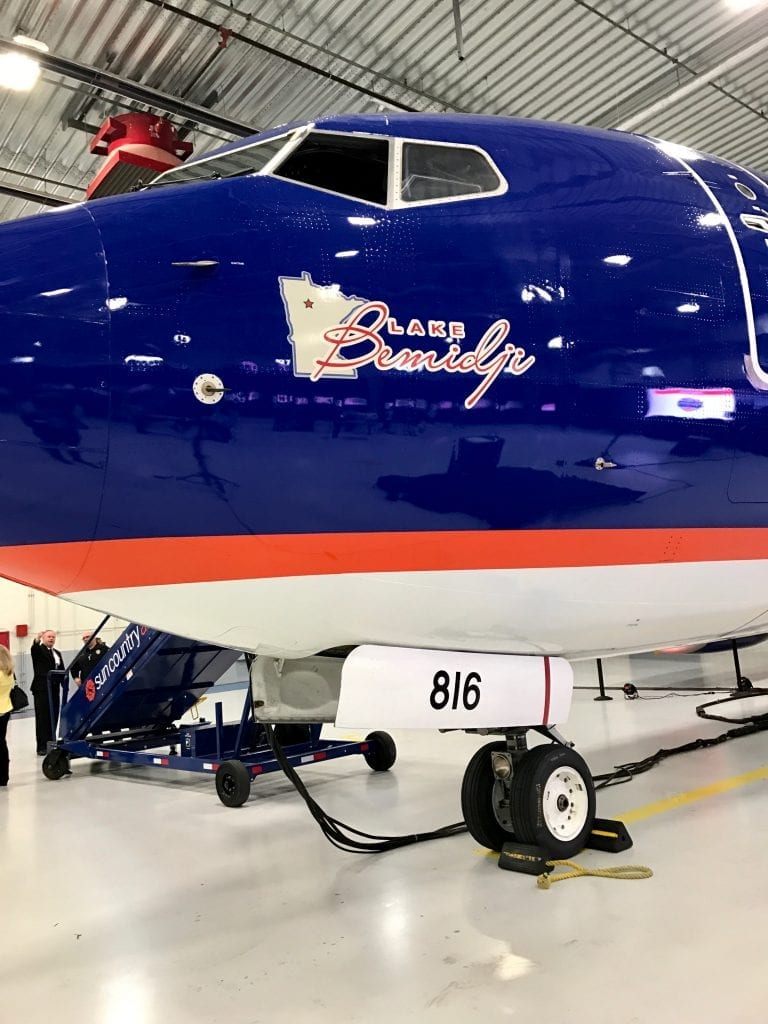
x: 681, y: 799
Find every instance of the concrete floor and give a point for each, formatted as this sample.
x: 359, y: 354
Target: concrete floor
x: 132, y: 896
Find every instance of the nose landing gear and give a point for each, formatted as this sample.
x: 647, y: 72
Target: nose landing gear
x: 542, y: 797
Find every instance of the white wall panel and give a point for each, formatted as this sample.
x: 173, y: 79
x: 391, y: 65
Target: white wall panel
x: 21, y: 606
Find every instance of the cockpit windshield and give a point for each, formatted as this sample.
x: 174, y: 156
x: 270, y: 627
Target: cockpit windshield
x: 248, y: 160
x: 350, y: 165
x: 385, y: 171
x: 433, y: 171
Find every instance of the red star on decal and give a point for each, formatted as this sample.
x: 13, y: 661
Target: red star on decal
x: 308, y: 304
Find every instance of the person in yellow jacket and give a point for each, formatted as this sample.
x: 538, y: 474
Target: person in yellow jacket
x: 6, y: 682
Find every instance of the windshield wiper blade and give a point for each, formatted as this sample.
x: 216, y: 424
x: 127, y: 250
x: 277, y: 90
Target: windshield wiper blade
x: 215, y: 176
x: 177, y: 181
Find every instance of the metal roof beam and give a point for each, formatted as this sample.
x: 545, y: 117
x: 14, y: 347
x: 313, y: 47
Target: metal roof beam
x: 31, y: 195
x: 131, y: 90
x: 701, y: 79
x: 662, y: 51
x: 43, y: 178
x: 338, y: 79
x: 379, y: 75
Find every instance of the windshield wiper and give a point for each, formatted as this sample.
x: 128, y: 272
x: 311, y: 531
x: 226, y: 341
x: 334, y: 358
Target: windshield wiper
x: 215, y: 176
x: 178, y: 181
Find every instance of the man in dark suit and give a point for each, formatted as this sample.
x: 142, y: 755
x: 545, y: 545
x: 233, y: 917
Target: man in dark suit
x: 45, y: 658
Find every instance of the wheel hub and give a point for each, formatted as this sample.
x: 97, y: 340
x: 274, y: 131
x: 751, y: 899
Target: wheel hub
x: 565, y: 803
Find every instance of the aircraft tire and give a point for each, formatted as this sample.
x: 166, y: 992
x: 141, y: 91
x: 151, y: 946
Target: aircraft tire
x: 56, y: 764
x: 233, y: 783
x: 553, y: 800
x: 477, y: 792
x: 381, y: 753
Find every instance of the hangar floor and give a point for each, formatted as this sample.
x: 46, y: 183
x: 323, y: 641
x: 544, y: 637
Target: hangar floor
x: 134, y: 897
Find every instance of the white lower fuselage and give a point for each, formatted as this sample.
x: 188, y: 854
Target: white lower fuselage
x: 576, y: 612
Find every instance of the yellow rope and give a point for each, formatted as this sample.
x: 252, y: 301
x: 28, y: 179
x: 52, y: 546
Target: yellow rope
x: 627, y: 871
x: 193, y: 707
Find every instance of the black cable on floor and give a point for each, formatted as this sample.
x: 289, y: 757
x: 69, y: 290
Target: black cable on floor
x: 341, y: 835
x: 663, y: 696
x: 631, y: 692
x: 626, y: 772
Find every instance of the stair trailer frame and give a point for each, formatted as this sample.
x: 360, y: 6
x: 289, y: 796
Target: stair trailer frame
x: 235, y: 753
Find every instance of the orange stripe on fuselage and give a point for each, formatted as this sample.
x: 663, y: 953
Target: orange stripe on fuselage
x: 107, y: 564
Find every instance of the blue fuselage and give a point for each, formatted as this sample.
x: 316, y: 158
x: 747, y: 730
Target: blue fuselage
x: 606, y: 255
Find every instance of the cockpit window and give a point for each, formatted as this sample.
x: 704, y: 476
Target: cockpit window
x: 356, y: 166
x: 433, y: 171
x: 248, y: 160
x: 352, y: 165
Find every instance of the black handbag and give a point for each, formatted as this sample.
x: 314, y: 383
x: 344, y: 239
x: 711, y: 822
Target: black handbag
x: 19, y: 699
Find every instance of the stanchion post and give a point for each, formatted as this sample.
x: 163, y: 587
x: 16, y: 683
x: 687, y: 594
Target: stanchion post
x: 743, y: 685
x: 602, y: 695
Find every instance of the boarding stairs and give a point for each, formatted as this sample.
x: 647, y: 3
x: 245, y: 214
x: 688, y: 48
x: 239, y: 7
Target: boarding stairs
x: 129, y: 707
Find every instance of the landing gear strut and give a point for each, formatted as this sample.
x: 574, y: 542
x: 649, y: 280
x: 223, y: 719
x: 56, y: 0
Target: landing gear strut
x: 543, y: 797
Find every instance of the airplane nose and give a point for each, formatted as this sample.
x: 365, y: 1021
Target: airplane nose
x: 54, y: 386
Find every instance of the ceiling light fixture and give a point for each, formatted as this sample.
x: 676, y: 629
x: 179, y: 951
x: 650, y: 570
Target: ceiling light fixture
x: 17, y: 70
x: 32, y: 44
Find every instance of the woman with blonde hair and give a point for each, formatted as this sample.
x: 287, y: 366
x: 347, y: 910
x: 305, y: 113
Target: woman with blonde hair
x: 6, y: 682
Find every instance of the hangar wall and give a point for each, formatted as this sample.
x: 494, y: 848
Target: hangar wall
x: 21, y: 606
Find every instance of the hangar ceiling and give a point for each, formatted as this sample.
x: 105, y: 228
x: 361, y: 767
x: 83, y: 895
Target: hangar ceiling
x: 691, y: 71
